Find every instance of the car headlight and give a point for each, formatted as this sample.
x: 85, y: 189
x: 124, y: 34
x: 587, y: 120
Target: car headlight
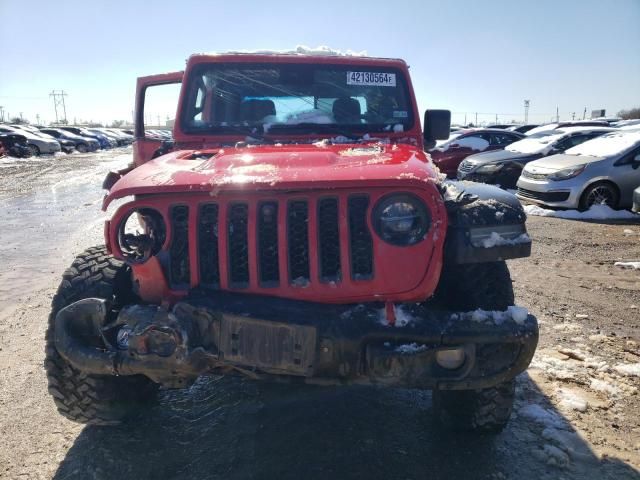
x: 567, y: 173
x: 490, y: 168
x: 401, y: 219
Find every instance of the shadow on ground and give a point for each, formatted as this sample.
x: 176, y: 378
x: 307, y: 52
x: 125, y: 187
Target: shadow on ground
x: 233, y: 429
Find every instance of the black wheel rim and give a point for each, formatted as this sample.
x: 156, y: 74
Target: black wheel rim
x: 600, y: 195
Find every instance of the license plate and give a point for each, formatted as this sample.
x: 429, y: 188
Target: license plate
x: 269, y: 346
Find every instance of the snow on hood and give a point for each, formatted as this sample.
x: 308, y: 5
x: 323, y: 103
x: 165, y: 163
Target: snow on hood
x: 535, y: 145
x: 607, y: 145
x: 474, y: 143
x: 304, y: 50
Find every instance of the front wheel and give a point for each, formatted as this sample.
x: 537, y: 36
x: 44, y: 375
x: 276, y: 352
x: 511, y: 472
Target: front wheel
x: 35, y: 151
x: 463, y: 288
x: 486, y: 410
x: 81, y: 147
x: 600, y: 193
x: 84, y: 398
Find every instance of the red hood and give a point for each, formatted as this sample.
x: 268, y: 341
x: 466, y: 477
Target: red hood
x: 277, y: 167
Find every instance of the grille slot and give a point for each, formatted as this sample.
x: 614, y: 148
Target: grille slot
x: 329, y: 240
x: 238, y: 245
x: 465, y: 167
x: 360, y: 241
x: 298, y: 241
x: 268, y: 260
x: 179, y: 271
x: 543, y: 196
x: 208, y: 245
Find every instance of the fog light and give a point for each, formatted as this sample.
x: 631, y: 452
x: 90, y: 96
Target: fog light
x: 450, y: 358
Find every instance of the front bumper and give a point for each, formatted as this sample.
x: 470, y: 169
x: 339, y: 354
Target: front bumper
x: 299, y: 341
x: 562, y: 194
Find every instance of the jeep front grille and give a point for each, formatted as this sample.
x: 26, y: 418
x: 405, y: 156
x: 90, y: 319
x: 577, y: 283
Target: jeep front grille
x: 259, y: 250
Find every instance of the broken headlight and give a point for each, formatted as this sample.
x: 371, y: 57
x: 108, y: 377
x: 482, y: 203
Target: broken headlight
x: 141, y: 234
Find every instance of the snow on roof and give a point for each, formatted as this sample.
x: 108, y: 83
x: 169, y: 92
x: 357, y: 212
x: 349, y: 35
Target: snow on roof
x: 322, y: 50
x: 608, y: 144
x: 543, y: 143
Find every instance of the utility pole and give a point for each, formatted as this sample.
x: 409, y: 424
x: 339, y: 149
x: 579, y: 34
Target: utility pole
x: 496, y: 118
x: 584, y: 114
x: 58, y: 101
x: 557, y: 115
x: 476, y: 120
x: 526, y: 111
x: 573, y: 116
x: 1, y: 113
x: 465, y: 119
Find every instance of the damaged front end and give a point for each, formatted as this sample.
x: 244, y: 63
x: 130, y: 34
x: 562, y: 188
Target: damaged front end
x: 296, y: 341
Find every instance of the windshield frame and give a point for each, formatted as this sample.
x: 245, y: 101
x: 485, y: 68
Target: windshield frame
x: 303, y: 130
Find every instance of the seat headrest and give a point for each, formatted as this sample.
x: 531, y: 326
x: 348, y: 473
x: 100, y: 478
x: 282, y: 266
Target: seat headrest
x: 346, y: 110
x: 255, y: 110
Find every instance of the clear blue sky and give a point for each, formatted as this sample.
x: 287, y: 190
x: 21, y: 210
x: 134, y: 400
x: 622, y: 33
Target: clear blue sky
x: 465, y: 55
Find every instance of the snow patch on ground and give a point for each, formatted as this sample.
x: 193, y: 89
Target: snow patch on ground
x: 543, y: 416
x: 596, y: 212
x: 572, y: 400
x: 632, y: 265
x: 628, y: 369
x: 604, y: 386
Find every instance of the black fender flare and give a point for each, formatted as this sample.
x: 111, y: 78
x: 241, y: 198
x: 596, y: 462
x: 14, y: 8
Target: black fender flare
x: 476, y: 211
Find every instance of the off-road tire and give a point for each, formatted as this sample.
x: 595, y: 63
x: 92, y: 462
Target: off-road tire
x: 475, y: 285
x: 463, y: 288
x: 487, y: 410
x: 93, y: 399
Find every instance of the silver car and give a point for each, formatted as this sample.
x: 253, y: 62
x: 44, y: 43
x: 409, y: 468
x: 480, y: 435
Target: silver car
x: 38, y: 144
x: 603, y: 170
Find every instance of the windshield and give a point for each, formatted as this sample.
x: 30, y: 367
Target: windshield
x: 536, y: 143
x: 606, y: 145
x: 296, y: 99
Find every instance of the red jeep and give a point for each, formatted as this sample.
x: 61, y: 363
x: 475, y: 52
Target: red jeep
x: 294, y: 228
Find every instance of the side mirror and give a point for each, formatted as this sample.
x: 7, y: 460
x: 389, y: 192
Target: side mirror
x: 635, y: 164
x: 437, y: 126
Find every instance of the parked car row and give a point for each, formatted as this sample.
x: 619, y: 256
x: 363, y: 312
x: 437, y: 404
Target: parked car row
x: 48, y: 140
x: 569, y: 164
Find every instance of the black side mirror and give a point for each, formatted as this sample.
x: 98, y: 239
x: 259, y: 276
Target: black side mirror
x: 437, y: 126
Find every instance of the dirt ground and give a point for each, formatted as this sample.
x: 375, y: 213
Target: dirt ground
x: 577, y: 414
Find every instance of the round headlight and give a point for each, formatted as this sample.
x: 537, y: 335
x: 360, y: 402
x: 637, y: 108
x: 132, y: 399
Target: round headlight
x: 141, y: 234
x: 401, y: 219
